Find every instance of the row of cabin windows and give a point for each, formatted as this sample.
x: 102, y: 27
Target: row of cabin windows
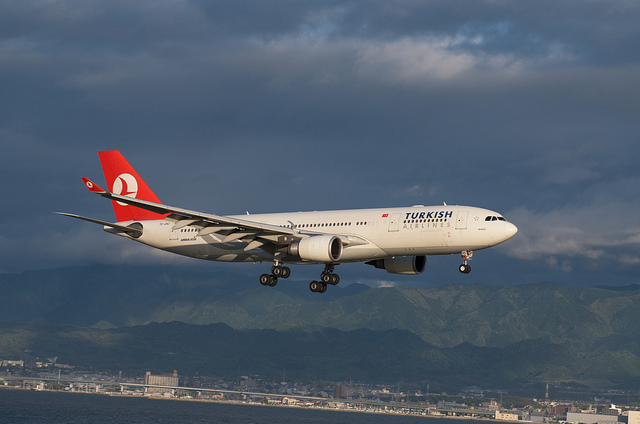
x: 342, y: 224
x: 419, y: 221
x: 494, y: 218
x: 333, y: 224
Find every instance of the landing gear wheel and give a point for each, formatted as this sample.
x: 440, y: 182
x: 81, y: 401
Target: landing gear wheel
x: 465, y: 269
x: 268, y: 280
x: 280, y: 271
x: 286, y: 272
x: 265, y: 279
x: 277, y: 271
x: 329, y: 277
x: 322, y: 288
x: 314, y: 286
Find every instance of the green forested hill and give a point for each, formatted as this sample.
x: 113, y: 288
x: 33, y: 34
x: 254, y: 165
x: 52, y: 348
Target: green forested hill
x: 469, y: 332
x: 445, y: 316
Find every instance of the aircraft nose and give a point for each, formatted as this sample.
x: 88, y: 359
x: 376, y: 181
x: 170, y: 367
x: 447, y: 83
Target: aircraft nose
x: 510, y: 230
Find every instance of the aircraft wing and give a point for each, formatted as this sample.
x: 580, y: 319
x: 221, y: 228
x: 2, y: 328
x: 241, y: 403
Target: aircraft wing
x: 256, y: 234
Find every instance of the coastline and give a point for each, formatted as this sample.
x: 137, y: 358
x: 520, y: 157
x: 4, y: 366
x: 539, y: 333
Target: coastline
x: 390, y: 412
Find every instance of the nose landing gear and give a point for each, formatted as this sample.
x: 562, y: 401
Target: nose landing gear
x: 465, y: 268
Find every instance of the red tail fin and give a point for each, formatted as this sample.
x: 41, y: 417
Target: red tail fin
x: 123, y: 179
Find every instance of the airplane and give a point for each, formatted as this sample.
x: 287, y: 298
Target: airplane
x: 397, y: 239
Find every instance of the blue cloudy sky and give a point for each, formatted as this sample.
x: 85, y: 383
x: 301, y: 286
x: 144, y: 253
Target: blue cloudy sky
x: 528, y: 108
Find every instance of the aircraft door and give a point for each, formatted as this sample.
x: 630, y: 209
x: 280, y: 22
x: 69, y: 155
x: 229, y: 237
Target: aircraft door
x: 394, y: 222
x: 461, y: 220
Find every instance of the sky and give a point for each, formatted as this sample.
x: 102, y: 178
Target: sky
x: 530, y: 109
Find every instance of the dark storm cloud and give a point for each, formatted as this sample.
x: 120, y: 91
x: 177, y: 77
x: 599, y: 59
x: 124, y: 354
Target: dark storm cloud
x: 526, y: 108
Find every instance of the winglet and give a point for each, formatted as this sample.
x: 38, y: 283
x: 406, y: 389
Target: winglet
x: 93, y: 187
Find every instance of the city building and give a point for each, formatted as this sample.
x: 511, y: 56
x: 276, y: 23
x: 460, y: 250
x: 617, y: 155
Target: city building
x: 585, y: 418
x: 8, y: 363
x: 170, y: 380
x: 534, y: 417
x: 507, y: 416
x: 162, y: 379
x: 341, y: 391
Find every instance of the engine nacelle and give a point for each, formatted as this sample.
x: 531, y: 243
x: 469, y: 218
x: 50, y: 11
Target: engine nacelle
x: 407, y: 265
x: 136, y: 230
x: 326, y: 248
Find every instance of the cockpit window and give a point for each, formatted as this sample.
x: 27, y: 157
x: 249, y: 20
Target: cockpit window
x: 494, y: 218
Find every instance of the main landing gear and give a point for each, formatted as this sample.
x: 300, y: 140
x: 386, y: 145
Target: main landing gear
x: 277, y: 271
x: 327, y: 277
x: 465, y: 268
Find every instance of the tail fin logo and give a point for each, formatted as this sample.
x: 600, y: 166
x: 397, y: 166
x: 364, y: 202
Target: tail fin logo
x: 125, y: 185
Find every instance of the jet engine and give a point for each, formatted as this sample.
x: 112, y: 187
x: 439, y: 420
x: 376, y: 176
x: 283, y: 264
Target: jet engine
x: 407, y: 265
x: 325, y: 248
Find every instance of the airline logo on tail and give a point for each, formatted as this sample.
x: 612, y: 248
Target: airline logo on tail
x: 125, y: 181
x: 126, y: 185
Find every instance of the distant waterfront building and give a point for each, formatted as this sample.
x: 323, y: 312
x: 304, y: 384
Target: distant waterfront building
x: 583, y: 418
x: 161, y: 380
x: 507, y: 416
x: 612, y: 410
x: 561, y: 410
x: 534, y: 417
x: 289, y: 401
x: 341, y: 391
x: 634, y: 417
x: 8, y: 363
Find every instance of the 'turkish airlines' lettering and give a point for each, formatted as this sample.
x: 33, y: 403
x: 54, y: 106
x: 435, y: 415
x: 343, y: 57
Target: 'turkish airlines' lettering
x: 429, y: 215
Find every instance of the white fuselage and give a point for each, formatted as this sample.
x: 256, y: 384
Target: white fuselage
x: 378, y: 233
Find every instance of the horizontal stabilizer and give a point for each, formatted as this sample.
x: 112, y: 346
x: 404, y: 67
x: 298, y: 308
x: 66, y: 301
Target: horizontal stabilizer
x: 133, y: 232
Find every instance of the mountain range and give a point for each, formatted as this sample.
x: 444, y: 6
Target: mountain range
x: 137, y: 318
